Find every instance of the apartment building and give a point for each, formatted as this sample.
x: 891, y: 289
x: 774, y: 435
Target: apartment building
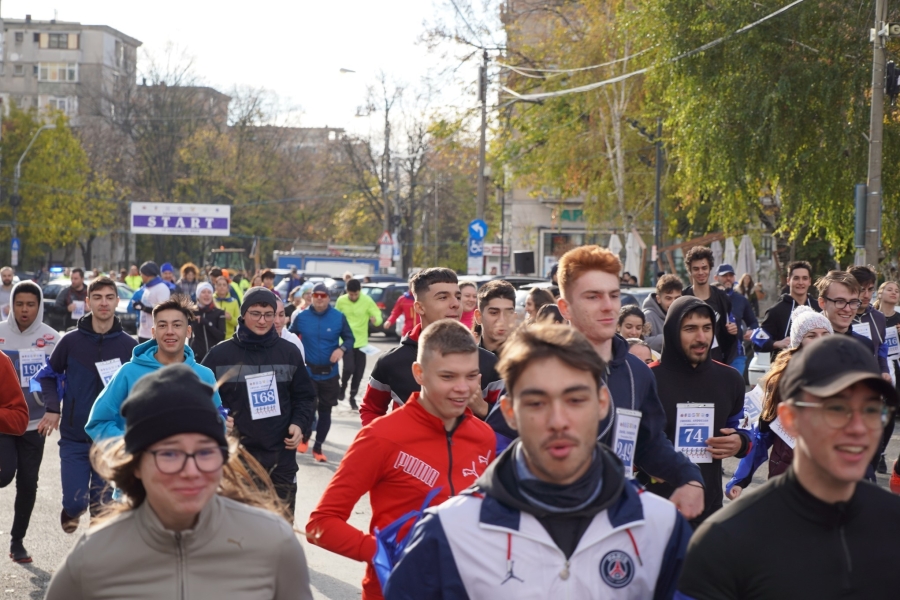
x: 63, y: 65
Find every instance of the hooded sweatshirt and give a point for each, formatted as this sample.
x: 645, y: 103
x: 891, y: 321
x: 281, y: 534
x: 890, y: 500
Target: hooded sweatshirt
x: 654, y: 314
x: 76, y: 357
x: 105, y: 420
x: 776, y: 325
x: 36, y: 336
x: 155, y: 291
x: 709, y: 382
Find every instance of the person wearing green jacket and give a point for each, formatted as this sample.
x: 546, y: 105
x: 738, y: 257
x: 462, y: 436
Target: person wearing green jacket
x: 227, y: 303
x: 360, y: 310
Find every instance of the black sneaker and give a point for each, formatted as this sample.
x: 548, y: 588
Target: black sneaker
x: 882, y: 466
x: 18, y: 553
x: 69, y: 524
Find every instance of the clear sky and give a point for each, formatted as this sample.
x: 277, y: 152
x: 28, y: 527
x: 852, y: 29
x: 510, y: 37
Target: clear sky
x: 294, y: 48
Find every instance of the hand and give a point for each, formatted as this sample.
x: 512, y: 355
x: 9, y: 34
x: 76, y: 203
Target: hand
x: 48, y: 423
x: 229, y: 317
x: 886, y: 377
x: 688, y: 499
x: 747, y: 335
x: 724, y: 446
x: 388, y: 325
x: 732, y: 328
x: 374, y: 321
x: 229, y: 425
x: 138, y: 306
x: 782, y: 344
x: 336, y: 355
x: 477, y: 403
x: 293, y: 441
x: 735, y: 492
x: 647, y: 329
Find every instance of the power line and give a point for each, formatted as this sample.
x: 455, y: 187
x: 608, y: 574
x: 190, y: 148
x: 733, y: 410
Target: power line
x: 623, y: 77
x: 529, y: 71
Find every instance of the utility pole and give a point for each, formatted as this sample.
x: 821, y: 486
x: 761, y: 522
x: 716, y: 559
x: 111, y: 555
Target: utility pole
x: 386, y: 166
x: 401, y: 237
x: 657, y: 226
x: 482, y: 97
x: 876, y: 147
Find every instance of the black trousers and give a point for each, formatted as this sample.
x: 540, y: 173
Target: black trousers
x: 327, y: 391
x: 354, y: 367
x: 20, y: 458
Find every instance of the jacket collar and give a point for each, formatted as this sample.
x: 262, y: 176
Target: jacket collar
x: 163, y: 540
x: 817, y: 511
x: 418, y: 412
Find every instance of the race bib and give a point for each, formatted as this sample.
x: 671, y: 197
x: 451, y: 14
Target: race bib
x: 107, y: 369
x: 893, y: 343
x: 693, y: 426
x: 262, y: 393
x: 79, y: 309
x: 863, y: 329
x: 625, y: 437
x: 30, y: 362
x: 780, y: 432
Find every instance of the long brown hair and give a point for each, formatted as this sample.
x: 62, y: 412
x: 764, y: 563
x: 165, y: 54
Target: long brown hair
x: 772, y: 398
x: 243, y: 479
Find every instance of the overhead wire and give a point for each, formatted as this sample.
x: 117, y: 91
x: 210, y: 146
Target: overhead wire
x: 624, y: 76
x: 529, y: 71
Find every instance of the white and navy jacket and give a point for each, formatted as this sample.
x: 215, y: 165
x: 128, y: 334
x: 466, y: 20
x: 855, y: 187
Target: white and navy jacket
x: 473, y: 546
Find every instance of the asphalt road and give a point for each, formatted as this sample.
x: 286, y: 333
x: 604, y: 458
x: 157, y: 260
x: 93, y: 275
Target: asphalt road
x: 333, y: 577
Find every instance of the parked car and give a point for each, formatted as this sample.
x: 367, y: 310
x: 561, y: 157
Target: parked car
x: 635, y: 295
x: 759, y: 366
x: 385, y: 296
x: 56, y: 319
x: 517, y: 281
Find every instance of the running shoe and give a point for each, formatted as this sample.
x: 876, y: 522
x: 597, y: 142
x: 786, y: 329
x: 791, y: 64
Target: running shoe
x: 302, y: 447
x: 18, y: 553
x: 319, y: 457
x: 895, y: 480
x: 882, y: 466
x: 69, y: 524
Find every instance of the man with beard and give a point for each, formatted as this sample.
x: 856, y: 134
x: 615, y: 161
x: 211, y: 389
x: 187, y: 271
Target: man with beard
x: 6, y: 275
x: 687, y: 374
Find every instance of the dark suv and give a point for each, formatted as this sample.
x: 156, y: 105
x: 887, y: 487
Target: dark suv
x: 385, y: 296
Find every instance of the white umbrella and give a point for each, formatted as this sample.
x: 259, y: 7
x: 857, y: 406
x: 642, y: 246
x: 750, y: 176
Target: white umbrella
x: 746, y: 260
x: 615, y: 244
x: 716, y: 248
x: 729, y: 251
x: 634, y: 251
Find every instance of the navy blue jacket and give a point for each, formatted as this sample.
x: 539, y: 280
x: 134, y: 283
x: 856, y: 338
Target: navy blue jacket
x: 75, y: 356
x: 322, y: 333
x: 744, y: 317
x: 654, y: 455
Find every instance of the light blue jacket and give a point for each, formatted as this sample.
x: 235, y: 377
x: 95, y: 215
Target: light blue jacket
x: 105, y: 420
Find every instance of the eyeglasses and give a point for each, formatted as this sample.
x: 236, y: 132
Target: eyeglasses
x: 208, y: 460
x: 840, y: 303
x: 320, y: 295
x: 838, y: 414
x: 256, y: 315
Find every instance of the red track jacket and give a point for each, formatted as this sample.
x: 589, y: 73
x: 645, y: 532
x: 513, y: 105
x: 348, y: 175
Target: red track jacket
x: 397, y: 459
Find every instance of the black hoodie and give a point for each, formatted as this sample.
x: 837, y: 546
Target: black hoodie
x: 499, y: 480
x: 679, y: 382
x: 777, y: 322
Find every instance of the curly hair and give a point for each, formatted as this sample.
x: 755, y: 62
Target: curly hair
x: 699, y: 253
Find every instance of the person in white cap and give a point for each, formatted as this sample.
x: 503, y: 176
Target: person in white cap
x: 806, y: 325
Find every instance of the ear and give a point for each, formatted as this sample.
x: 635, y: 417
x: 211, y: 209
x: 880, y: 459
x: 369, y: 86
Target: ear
x: 563, y: 307
x: 821, y: 302
x: 418, y: 373
x: 604, y: 402
x: 477, y: 316
x: 189, y: 331
x: 417, y: 306
x: 153, y: 332
x: 506, y: 407
x: 787, y: 414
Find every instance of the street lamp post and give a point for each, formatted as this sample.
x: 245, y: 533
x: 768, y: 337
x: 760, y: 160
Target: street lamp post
x: 15, y: 199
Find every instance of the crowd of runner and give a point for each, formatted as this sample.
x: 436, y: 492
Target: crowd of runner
x: 576, y: 454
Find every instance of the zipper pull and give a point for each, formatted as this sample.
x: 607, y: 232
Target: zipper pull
x: 564, y: 574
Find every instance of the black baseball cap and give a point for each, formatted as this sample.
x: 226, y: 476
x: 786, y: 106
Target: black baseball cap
x: 831, y: 364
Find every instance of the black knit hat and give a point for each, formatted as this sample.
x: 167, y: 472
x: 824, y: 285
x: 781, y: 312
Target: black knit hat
x: 258, y: 295
x: 167, y: 402
x: 150, y: 269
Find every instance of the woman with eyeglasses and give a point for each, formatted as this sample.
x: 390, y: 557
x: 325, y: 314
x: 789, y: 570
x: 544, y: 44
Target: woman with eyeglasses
x: 193, y: 524
x: 806, y: 325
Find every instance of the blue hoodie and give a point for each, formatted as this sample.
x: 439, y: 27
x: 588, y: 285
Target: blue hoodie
x: 105, y: 420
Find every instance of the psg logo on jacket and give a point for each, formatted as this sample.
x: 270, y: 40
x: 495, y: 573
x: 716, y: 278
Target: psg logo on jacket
x: 616, y: 569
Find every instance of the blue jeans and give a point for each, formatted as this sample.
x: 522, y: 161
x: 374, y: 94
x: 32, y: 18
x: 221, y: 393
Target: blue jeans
x: 82, y: 486
x: 739, y: 363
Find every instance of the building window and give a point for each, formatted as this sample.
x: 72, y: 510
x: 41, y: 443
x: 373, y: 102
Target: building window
x: 58, y: 41
x: 58, y: 72
x: 37, y: 37
x: 19, y: 71
x: 20, y: 37
x: 67, y: 105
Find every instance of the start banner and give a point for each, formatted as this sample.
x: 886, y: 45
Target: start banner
x: 163, y: 218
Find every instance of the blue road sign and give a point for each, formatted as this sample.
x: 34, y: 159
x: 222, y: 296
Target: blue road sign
x: 478, y: 229
x: 476, y: 247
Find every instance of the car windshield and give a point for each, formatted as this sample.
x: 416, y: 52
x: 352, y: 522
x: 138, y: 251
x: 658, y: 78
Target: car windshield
x: 375, y: 293
x: 124, y: 292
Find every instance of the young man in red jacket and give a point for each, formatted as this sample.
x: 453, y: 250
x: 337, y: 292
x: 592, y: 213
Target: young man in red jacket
x: 437, y: 297
x: 431, y: 442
